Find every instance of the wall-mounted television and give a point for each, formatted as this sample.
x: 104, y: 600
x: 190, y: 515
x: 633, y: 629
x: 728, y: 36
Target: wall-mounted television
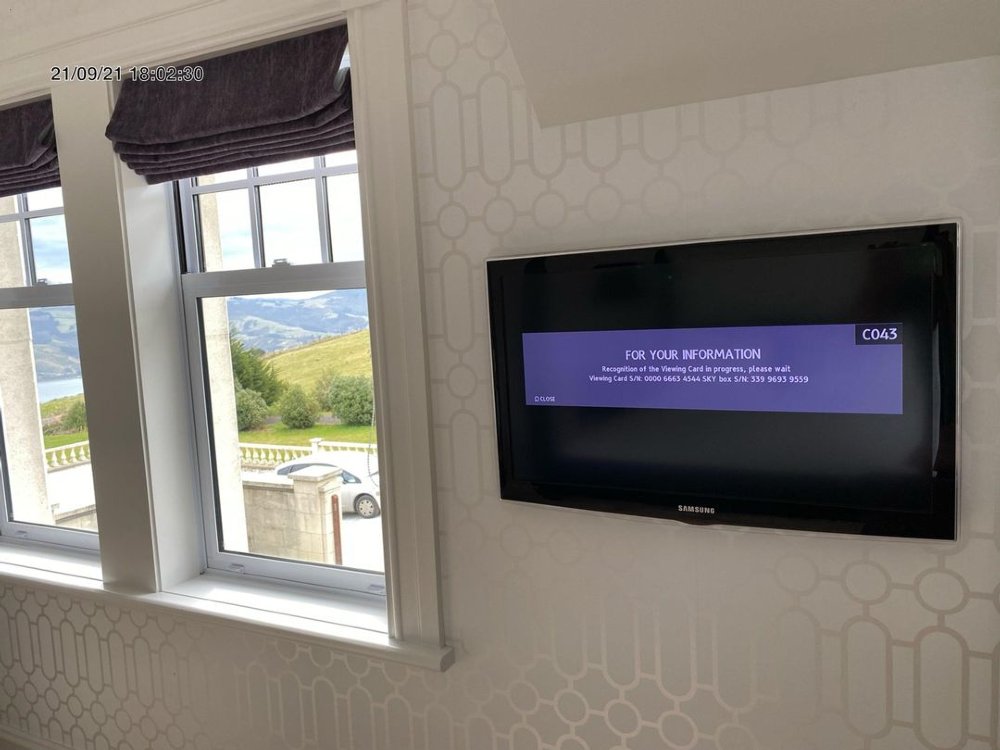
x: 798, y: 382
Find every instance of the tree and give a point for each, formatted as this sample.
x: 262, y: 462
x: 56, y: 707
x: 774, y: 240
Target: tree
x: 352, y: 398
x: 298, y: 409
x: 75, y: 418
x: 253, y: 372
x: 251, y: 409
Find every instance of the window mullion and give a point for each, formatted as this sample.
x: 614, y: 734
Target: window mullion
x: 38, y: 213
x: 256, y: 222
x: 26, y: 246
x: 36, y: 296
x: 313, y: 277
x: 193, y: 253
x: 323, y: 212
x: 114, y: 227
x: 275, y: 179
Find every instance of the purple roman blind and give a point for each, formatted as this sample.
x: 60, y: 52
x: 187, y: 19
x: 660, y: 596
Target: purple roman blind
x: 285, y: 100
x: 28, y: 159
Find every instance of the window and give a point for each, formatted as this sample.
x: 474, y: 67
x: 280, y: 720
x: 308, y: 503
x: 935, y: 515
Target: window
x: 275, y: 302
x: 141, y: 320
x: 48, y: 490
x: 292, y: 213
x: 278, y: 316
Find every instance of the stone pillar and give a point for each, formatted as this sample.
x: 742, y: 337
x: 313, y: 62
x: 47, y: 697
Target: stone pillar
x: 313, y: 531
x: 18, y: 389
x: 221, y: 385
x: 297, y: 519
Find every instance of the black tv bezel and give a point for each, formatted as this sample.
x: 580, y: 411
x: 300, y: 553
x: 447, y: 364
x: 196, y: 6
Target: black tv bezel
x: 940, y: 523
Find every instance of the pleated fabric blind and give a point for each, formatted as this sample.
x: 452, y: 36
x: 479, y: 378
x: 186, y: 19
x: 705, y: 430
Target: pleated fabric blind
x: 28, y: 159
x: 285, y: 100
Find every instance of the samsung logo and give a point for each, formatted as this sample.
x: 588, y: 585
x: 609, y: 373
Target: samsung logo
x: 695, y: 509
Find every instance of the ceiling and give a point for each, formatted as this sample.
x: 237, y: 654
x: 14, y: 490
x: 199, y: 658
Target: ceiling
x: 583, y: 59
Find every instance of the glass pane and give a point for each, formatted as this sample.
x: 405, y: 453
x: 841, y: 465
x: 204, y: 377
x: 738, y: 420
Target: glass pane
x: 226, y: 242
x: 344, y: 198
x: 51, y: 251
x: 220, y: 177
x: 290, y: 223
x: 291, y: 402
x: 44, y: 419
x: 341, y: 158
x: 284, y: 167
x: 40, y: 199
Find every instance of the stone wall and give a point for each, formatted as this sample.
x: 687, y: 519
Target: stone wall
x: 79, y: 518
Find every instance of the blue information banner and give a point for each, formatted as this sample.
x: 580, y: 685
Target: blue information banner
x: 844, y: 368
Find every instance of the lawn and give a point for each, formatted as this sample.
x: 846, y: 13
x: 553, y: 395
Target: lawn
x: 56, y: 441
x: 350, y: 354
x: 278, y: 434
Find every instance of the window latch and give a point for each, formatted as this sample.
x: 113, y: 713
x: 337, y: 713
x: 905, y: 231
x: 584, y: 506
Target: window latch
x: 237, y: 568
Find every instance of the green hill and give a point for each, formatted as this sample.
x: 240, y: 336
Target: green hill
x: 350, y: 354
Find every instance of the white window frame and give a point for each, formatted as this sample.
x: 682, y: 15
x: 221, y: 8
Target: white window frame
x: 189, y: 191
x: 281, y: 279
x: 31, y: 296
x: 197, y: 284
x: 133, y: 340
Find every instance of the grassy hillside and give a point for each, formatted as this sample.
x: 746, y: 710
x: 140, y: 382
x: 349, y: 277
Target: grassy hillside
x: 273, y: 324
x: 350, y: 354
x: 57, y: 407
x: 53, y: 333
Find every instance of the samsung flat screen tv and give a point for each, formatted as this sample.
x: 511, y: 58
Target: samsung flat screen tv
x: 797, y: 382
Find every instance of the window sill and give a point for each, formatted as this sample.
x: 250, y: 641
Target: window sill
x: 25, y: 562
x: 352, y: 623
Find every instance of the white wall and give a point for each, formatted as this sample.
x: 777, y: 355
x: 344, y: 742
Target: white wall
x: 583, y: 631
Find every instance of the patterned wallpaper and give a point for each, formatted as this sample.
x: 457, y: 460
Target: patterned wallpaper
x: 577, y: 631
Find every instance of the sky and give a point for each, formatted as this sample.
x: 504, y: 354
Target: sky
x: 290, y: 223
x: 48, y: 238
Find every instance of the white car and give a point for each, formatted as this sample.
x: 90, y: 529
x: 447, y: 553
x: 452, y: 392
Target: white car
x: 357, y: 494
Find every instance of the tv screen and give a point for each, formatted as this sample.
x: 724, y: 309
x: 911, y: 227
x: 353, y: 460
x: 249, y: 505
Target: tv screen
x: 803, y: 382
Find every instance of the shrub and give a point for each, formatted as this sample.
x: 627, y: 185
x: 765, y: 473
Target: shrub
x: 252, y: 372
x: 251, y: 409
x: 298, y: 409
x: 75, y: 418
x: 322, y: 389
x: 352, y: 399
